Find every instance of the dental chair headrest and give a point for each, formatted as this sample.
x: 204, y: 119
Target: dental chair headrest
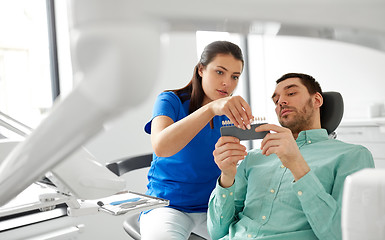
x: 332, y: 111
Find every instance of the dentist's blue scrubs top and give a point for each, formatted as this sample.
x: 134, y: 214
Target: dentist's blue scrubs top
x: 188, y: 177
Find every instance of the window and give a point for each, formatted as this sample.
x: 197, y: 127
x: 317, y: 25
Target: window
x: 25, y: 84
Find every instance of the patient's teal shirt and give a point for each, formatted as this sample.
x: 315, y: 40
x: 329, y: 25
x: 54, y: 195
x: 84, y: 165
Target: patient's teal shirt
x: 188, y: 177
x: 265, y: 202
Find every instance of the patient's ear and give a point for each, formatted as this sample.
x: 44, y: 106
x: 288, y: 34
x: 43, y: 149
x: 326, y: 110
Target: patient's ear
x: 318, y: 100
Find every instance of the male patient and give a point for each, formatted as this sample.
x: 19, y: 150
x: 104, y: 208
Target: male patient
x: 291, y: 188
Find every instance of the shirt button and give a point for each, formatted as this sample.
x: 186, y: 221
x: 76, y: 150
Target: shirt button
x: 249, y: 235
x: 282, y: 166
x: 309, y: 141
x: 224, y: 195
x: 299, y: 193
x: 231, y: 193
x: 221, y: 216
x: 263, y: 217
x: 272, y: 191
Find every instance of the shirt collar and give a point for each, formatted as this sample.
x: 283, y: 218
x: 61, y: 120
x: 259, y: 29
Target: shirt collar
x: 312, y: 136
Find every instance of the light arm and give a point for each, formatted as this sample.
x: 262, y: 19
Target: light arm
x: 108, y: 87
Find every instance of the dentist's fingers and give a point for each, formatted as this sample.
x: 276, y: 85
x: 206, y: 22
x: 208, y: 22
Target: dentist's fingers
x: 227, y: 107
x: 235, y: 108
x: 241, y: 111
x: 245, y: 111
x: 235, y: 117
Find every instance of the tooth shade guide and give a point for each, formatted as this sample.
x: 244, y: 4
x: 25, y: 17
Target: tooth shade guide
x: 259, y: 119
x: 255, y: 120
x: 227, y: 123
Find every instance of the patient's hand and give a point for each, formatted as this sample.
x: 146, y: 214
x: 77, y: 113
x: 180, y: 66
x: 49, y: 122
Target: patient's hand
x: 228, y: 152
x: 283, y: 144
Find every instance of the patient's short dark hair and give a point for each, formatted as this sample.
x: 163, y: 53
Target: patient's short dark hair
x: 310, y: 83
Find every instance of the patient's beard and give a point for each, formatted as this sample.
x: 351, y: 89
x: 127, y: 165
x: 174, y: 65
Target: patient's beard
x: 301, y: 120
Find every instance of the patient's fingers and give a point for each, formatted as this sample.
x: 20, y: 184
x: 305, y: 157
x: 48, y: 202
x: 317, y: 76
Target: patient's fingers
x: 228, y: 152
x: 226, y: 139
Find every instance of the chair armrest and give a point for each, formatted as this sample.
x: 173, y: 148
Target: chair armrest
x: 122, y: 166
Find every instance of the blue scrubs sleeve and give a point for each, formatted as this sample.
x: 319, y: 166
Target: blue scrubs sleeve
x: 165, y: 105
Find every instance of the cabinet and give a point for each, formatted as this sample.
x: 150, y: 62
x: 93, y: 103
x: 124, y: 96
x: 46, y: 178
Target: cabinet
x: 369, y: 133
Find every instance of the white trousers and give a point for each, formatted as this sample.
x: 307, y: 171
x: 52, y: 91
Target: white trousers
x: 166, y: 223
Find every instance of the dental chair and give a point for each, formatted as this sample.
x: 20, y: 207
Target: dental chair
x: 332, y: 111
x: 331, y: 115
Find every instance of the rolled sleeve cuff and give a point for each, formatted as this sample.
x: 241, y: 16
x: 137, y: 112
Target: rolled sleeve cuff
x: 307, y: 187
x: 224, y: 195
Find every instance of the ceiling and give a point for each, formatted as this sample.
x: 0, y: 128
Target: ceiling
x: 356, y: 21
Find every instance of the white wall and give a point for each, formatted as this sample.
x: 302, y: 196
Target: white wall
x: 358, y: 73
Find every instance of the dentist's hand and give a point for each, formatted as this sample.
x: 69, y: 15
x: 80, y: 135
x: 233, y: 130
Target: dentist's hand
x: 228, y: 152
x: 282, y: 143
x: 235, y: 108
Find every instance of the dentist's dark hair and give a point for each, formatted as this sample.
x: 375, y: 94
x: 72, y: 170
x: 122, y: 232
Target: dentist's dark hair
x: 193, y: 90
